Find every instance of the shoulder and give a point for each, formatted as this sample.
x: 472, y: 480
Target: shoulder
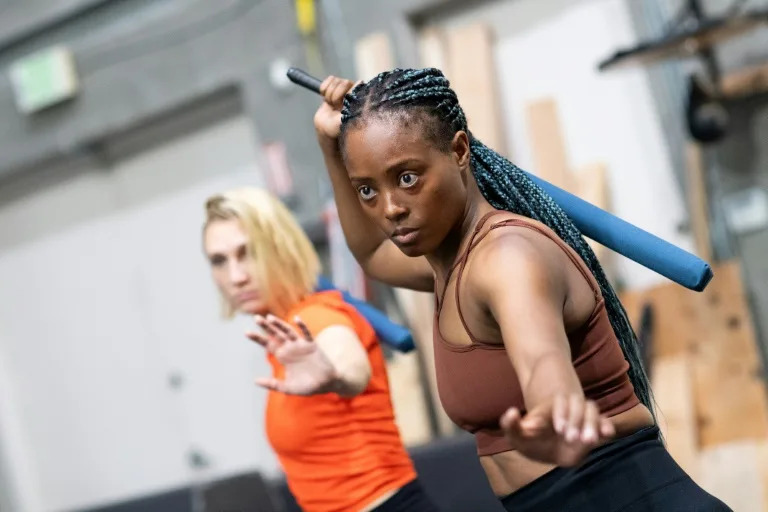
x: 322, y: 310
x: 517, y: 256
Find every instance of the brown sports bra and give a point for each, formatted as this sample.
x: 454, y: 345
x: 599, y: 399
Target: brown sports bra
x: 477, y: 382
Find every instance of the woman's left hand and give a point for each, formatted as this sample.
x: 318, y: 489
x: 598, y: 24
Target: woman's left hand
x: 561, y: 432
x: 307, y: 370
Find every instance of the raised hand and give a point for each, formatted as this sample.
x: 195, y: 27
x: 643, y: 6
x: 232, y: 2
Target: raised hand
x: 307, y: 370
x: 328, y: 116
x: 561, y: 432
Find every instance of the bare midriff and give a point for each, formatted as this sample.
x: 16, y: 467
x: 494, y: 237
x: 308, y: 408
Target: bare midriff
x: 510, y: 470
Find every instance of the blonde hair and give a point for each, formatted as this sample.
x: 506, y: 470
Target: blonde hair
x: 285, y: 262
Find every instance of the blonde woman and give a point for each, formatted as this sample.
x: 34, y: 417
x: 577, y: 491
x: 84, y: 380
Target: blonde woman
x: 329, y: 416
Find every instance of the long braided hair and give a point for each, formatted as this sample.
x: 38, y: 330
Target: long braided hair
x: 424, y: 96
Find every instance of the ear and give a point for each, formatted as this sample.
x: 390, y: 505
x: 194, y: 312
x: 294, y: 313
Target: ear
x: 460, y: 149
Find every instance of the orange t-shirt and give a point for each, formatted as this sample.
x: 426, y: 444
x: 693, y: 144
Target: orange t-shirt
x: 338, y: 454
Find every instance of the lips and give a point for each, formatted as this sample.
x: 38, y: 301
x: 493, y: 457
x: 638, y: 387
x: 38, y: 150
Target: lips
x: 246, y: 296
x: 405, y: 236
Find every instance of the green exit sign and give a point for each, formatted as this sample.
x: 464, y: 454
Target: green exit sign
x: 43, y: 79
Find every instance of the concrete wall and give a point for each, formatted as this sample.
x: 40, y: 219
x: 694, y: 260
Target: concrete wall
x: 212, y: 46
x: 140, y: 58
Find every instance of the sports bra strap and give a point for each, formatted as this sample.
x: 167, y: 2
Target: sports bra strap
x: 474, y: 241
x: 465, y: 253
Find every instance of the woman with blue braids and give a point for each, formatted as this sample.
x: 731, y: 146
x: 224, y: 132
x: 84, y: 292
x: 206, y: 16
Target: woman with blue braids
x: 533, y: 351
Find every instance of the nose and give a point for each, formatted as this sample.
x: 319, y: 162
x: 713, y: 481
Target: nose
x: 393, y: 210
x: 238, y: 273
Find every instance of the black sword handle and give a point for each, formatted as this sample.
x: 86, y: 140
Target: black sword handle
x: 304, y: 79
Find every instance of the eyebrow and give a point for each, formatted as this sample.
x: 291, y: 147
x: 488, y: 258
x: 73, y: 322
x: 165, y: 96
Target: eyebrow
x: 239, y: 247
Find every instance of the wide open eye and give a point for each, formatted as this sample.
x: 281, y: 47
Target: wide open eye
x: 408, y: 179
x: 366, y: 192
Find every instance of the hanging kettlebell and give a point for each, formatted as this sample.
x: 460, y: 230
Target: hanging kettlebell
x: 707, y: 118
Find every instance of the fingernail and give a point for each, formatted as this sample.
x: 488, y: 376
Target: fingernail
x: 572, y: 434
x: 588, y: 435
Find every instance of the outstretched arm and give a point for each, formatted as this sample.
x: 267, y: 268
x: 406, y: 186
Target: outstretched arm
x: 377, y: 255
x: 560, y: 425
x: 343, y: 348
x: 334, y: 361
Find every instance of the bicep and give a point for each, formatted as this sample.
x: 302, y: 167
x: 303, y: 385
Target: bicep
x: 526, y: 297
x: 389, y: 265
x: 532, y: 330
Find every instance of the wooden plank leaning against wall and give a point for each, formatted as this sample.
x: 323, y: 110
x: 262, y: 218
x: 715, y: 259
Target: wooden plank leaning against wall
x: 708, y: 383
x: 706, y: 372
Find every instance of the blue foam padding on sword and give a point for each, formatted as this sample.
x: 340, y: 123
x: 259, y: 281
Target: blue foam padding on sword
x: 390, y: 333
x: 636, y: 244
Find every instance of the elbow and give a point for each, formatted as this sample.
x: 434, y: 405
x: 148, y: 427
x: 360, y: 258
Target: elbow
x: 349, y: 370
x: 354, y: 382
x: 362, y: 253
x: 365, y: 258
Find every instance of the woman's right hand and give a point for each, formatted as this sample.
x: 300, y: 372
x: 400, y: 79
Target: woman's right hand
x: 308, y: 371
x: 328, y: 116
x: 562, y: 431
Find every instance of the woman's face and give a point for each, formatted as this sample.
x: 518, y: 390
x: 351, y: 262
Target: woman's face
x: 226, y: 245
x: 412, y: 190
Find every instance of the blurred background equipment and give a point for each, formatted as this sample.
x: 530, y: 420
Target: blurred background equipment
x: 693, y: 33
x: 120, y: 389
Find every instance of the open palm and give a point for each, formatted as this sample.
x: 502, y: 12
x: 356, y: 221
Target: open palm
x: 307, y: 370
x: 560, y: 433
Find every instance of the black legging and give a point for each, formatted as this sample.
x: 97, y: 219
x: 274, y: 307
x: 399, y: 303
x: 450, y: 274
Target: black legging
x: 632, y: 474
x: 410, y: 497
